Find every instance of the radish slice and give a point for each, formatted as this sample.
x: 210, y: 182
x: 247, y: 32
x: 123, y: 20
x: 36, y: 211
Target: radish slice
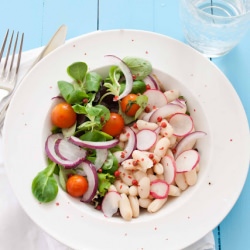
x: 187, y: 160
x: 126, y: 72
x: 150, y: 81
x: 93, y: 144
x: 169, y: 167
x: 165, y: 111
x: 52, y: 155
x: 181, y: 123
x: 129, y: 148
x: 92, y: 178
x: 156, y: 98
x: 68, y: 151
x: 188, y: 142
x: 145, y: 139
x: 159, y: 189
x: 146, y: 116
x: 110, y: 203
x: 101, y: 156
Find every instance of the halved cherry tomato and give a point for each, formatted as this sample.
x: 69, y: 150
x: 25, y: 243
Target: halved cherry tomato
x: 114, y: 125
x: 77, y: 185
x: 63, y: 115
x: 129, y: 105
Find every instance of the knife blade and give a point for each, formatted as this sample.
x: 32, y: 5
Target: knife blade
x: 57, y: 40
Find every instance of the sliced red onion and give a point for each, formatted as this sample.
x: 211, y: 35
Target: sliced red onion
x: 92, y: 178
x: 150, y: 81
x: 101, y: 156
x: 126, y: 72
x: 68, y: 151
x: 188, y: 142
x: 52, y: 155
x: 129, y: 148
x: 93, y: 144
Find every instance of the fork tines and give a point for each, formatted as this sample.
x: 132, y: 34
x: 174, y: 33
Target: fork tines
x: 18, y: 59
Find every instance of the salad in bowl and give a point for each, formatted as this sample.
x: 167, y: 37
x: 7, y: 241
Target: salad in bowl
x: 123, y: 143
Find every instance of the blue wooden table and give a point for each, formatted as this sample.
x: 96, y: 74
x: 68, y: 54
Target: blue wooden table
x: 39, y: 19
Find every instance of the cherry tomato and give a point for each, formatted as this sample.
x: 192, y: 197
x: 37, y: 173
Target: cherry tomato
x: 76, y: 185
x: 63, y: 115
x: 114, y: 125
x: 129, y: 105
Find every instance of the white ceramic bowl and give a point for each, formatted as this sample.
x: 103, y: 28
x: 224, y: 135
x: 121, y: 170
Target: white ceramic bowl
x: 213, y: 104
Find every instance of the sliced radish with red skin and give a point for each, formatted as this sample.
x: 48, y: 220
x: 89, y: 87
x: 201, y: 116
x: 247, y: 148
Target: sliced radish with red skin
x: 126, y: 72
x: 101, y: 156
x: 145, y: 139
x: 145, y: 116
x: 187, y: 161
x: 93, y: 144
x: 156, y: 98
x: 110, y: 203
x: 165, y: 111
x: 181, y: 123
x: 188, y: 142
x: 92, y: 178
x: 151, y: 82
x: 159, y: 189
x: 169, y: 167
x: 130, y: 146
x: 52, y: 155
x: 69, y: 151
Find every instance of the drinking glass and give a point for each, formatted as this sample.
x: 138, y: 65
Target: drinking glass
x: 214, y: 27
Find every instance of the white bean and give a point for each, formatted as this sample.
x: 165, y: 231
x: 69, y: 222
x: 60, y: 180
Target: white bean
x: 152, y: 177
x: 144, y: 202
x: 181, y: 181
x: 158, y: 168
x: 141, y: 124
x: 142, y: 159
x: 144, y: 187
x: 166, y: 131
x: 133, y: 190
x: 134, y: 203
x: 121, y: 187
x: 125, y: 208
x: 191, y: 177
x: 112, y: 188
x: 130, y: 164
x: 197, y: 168
x: 170, y: 153
x: 138, y: 175
x: 162, y: 146
x: 156, y: 205
x: 174, y: 190
x: 126, y: 176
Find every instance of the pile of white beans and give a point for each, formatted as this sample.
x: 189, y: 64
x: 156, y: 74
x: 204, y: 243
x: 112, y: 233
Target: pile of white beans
x: 138, y: 172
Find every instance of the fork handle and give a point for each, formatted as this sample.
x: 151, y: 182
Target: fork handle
x: 4, y: 103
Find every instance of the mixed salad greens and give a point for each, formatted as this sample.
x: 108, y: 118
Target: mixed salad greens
x: 93, y: 99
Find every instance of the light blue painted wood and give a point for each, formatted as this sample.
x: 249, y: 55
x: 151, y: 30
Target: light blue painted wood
x: 23, y: 16
x: 80, y: 16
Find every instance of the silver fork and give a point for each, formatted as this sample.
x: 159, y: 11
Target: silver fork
x: 8, y: 77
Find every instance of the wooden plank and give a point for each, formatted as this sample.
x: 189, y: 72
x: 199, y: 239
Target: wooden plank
x: 23, y: 16
x: 80, y: 16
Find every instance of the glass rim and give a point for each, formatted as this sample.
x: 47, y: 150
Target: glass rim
x: 247, y: 13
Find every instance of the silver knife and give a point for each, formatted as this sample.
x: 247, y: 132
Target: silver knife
x: 57, y: 40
